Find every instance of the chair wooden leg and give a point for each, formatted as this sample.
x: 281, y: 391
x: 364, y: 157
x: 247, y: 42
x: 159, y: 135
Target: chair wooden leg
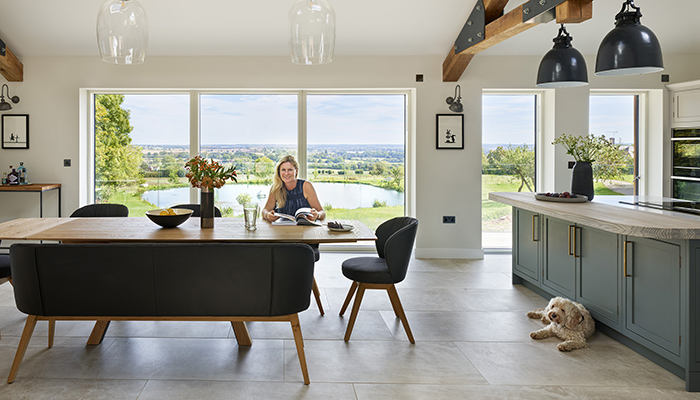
x: 98, y: 333
x: 22, y: 348
x: 242, y: 335
x: 317, y: 294
x: 398, y: 310
x: 299, y: 342
x: 355, y: 310
x: 52, y: 331
x: 351, y: 292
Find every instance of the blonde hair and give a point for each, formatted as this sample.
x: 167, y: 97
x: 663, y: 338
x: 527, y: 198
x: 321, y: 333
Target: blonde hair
x: 278, y: 190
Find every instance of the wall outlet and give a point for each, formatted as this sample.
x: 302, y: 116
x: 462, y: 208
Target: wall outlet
x: 66, y: 162
x: 448, y: 219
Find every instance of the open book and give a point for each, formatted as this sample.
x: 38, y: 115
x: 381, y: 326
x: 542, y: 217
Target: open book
x: 301, y: 217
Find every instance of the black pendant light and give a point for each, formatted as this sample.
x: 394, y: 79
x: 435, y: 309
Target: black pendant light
x: 630, y: 48
x: 563, y: 66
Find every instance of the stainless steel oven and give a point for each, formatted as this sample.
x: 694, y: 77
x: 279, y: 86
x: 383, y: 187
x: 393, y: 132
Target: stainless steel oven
x: 686, y: 164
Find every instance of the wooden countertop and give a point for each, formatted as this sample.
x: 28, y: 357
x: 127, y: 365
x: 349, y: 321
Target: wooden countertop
x: 32, y: 187
x: 612, y: 217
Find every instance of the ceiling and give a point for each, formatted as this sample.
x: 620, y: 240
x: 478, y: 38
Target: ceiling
x: 364, y: 27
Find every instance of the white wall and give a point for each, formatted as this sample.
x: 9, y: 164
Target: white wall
x: 448, y: 182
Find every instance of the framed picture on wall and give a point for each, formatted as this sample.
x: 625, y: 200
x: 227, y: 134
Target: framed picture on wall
x: 15, y: 131
x: 450, y: 131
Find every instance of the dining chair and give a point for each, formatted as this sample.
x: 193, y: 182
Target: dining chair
x: 395, y: 239
x: 198, y: 209
x: 102, y: 210
x: 5, y: 272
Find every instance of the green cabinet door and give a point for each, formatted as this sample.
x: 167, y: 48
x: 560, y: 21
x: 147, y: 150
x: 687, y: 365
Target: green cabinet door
x: 653, y: 293
x: 599, y: 275
x: 526, y: 245
x: 559, y: 266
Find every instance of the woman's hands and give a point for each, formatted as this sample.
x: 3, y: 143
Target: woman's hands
x: 270, y: 215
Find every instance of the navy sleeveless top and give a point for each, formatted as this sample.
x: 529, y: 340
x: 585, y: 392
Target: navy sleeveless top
x: 295, y: 199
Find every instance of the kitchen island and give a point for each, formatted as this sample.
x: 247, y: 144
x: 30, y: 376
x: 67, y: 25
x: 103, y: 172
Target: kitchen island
x: 636, y: 270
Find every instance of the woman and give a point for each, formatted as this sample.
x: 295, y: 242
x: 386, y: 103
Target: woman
x: 288, y: 194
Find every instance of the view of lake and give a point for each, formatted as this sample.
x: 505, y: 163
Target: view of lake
x: 339, y: 195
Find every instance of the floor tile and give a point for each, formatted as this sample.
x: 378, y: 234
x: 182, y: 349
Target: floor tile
x: 210, y: 390
x: 540, y: 363
x: 457, y: 392
x: 72, y: 389
x: 362, y: 361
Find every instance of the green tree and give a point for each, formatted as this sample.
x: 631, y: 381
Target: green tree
x: 264, y: 168
x: 516, y: 161
x: 117, y: 162
x: 396, y: 175
x: 612, y: 163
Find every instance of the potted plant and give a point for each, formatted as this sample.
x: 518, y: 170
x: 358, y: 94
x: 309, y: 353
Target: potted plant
x: 585, y: 149
x: 208, y: 175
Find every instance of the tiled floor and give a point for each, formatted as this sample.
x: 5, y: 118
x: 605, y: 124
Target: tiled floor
x: 471, y: 343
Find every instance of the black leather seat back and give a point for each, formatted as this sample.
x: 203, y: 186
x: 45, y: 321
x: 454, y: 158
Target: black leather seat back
x: 102, y: 210
x: 395, y: 239
x: 158, y: 280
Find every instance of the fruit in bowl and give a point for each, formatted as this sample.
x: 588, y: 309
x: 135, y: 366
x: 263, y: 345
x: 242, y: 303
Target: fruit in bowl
x: 565, y: 195
x: 169, y: 217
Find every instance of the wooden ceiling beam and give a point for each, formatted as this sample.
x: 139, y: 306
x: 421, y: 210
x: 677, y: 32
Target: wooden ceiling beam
x: 10, y: 67
x: 507, y: 26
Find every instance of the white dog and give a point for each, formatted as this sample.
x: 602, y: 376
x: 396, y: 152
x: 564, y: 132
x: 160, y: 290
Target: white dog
x: 568, y: 320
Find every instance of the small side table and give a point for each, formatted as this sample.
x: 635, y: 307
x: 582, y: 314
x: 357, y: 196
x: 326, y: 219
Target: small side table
x: 37, y: 188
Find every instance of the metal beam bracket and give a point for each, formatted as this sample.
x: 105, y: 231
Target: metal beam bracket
x: 540, y: 11
x: 473, y: 31
x: 2, y: 48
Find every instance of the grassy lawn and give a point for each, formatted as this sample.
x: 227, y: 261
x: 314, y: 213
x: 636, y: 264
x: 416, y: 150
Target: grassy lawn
x: 372, y: 216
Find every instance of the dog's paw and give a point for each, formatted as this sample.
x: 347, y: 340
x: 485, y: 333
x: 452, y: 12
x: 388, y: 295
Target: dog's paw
x: 537, y: 335
x: 533, y: 315
x: 563, y: 347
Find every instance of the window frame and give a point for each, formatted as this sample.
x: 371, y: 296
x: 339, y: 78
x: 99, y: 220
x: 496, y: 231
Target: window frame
x: 87, y: 145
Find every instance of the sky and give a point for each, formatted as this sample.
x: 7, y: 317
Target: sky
x: 254, y: 119
x: 510, y: 119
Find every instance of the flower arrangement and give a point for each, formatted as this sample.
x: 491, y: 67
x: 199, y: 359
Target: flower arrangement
x: 583, y: 148
x: 208, y: 174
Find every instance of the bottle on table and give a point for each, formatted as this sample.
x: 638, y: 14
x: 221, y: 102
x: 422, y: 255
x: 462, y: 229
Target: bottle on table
x: 13, y: 177
x: 22, y: 172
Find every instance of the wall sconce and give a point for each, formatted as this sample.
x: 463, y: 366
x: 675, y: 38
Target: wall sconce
x: 454, y: 102
x: 563, y: 66
x: 4, y: 106
x: 630, y: 48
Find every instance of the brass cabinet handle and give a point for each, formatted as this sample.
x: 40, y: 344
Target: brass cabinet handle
x: 571, y: 253
x: 533, y: 227
x: 624, y: 257
x: 576, y: 228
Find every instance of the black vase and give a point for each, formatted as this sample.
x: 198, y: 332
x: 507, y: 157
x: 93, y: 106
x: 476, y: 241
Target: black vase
x: 582, y: 179
x: 207, y: 208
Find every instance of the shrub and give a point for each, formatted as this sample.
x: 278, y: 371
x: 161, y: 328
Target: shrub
x: 378, y: 203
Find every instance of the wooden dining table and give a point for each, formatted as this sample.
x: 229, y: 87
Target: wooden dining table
x: 142, y: 229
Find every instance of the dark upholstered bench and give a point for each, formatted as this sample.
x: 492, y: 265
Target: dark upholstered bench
x: 193, y: 282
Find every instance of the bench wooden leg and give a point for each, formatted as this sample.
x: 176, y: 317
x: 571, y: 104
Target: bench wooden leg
x: 52, y: 331
x: 351, y: 292
x: 317, y: 294
x: 398, y: 310
x: 299, y: 342
x: 22, y: 348
x: 355, y: 310
x: 242, y: 335
x: 98, y: 333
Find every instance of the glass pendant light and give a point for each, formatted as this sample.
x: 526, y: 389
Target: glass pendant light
x: 122, y: 32
x: 563, y: 66
x: 630, y: 48
x: 312, y: 29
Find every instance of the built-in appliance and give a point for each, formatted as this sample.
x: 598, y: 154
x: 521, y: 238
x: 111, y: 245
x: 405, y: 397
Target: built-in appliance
x: 684, y: 206
x: 686, y: 164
